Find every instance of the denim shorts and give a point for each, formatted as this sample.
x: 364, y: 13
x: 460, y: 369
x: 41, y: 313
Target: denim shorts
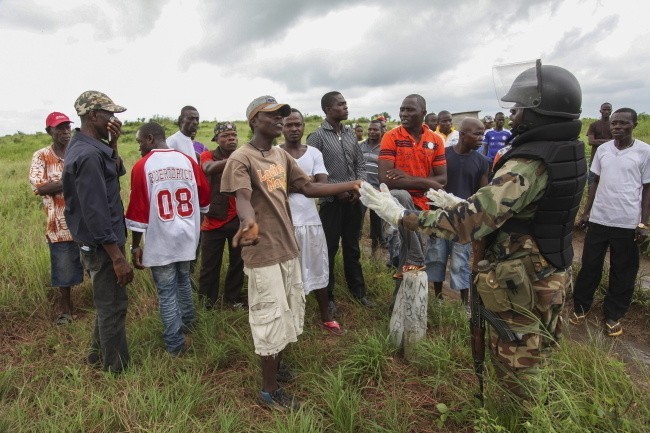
x: 436, y: 261
x: 65, y: 264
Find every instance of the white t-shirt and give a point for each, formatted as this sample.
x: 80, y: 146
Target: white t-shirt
x: 303, y: 209
x: 168, y: 193
x: 622, y: 174
x: 451, y: 139
x: 182, y: 143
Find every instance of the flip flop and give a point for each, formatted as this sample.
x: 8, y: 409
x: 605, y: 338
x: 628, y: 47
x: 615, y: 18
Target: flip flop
x: 63, y: 319
x: 614, y: 330
x: 332, y: 327
x: 577, y: 319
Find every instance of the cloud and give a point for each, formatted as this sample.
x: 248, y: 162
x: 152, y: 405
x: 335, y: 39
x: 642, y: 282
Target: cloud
x: 234, y: 27
x: 219, y: 54
x: 372, y: 44
x: 603, y: 65
x: 575, y: 41
x: 117, y: 19
x: 406, y: 42
x: 30, y: 16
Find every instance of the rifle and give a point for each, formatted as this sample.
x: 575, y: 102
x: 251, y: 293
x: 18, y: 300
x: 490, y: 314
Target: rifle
x: 479, y: 315
x: 476, y: 321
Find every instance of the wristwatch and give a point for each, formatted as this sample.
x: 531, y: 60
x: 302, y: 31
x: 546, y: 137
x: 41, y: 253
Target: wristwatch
x: 133, y: 248
x: 642, y: 226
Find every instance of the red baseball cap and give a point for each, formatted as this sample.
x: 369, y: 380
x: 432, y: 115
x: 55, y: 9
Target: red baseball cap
x: 55, y: 118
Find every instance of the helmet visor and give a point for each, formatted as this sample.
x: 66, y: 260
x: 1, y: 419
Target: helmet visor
x: 518, y: 84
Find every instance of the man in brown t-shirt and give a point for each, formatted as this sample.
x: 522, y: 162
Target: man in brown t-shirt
x: 260, y: 176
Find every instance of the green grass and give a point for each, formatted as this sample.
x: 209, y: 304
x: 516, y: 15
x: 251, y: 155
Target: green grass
x: 353, y: 383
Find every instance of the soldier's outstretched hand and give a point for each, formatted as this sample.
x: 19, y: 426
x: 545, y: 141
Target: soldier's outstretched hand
x: 443, y: 199
x: 382, y: 202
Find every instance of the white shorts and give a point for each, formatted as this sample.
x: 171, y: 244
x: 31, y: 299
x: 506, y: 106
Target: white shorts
x: 314, y: 263
x: 276, y: 306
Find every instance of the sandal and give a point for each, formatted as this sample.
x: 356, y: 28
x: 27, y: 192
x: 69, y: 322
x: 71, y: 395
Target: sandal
x: 63, y: 319
x: 577, y: 319
x: 408, y: 268
x: 614, y: 330
x: 332, y: 327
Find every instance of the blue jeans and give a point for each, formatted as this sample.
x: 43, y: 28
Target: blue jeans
x: 394, y: 242
x: 176, y: 303
x: 437, y: 254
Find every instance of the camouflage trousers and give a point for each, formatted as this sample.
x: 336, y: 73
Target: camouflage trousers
x: 518, y: 363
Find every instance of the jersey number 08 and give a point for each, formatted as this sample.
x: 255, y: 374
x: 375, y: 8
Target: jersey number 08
x: 180, y: 203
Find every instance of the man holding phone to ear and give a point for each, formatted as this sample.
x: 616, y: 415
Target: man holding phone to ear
x: 95, y: 217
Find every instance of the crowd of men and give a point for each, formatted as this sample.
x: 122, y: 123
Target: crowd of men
x: 258, y: 198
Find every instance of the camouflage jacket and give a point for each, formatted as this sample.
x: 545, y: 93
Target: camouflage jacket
x: 513, y: 193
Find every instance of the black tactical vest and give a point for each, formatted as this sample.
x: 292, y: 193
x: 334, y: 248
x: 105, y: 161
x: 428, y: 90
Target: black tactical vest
x: 552, y: 225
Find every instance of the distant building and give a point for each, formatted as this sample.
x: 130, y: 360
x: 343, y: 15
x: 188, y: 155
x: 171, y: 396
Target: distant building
x: 457, y: 117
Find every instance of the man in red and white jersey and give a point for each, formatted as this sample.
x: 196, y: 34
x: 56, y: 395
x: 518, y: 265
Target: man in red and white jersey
x: 168, y: 193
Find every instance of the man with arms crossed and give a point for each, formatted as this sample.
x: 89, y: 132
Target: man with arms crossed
x: 260, y: 175
x: 45, y: 178
x: 168, y: 191
x: 95, y: 217
x: 412, y: 160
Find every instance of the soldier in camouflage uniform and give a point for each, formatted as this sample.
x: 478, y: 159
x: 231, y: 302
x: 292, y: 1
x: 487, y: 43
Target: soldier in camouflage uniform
x: 526, y: 215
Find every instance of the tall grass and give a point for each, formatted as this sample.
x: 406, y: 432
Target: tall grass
x: 353, y: 383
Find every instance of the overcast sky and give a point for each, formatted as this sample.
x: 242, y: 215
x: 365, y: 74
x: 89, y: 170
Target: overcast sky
x: 154, y: 56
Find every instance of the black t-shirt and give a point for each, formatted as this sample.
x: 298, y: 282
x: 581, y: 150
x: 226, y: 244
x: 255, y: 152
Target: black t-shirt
x: 600, y: 129
x: 464, y: 172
